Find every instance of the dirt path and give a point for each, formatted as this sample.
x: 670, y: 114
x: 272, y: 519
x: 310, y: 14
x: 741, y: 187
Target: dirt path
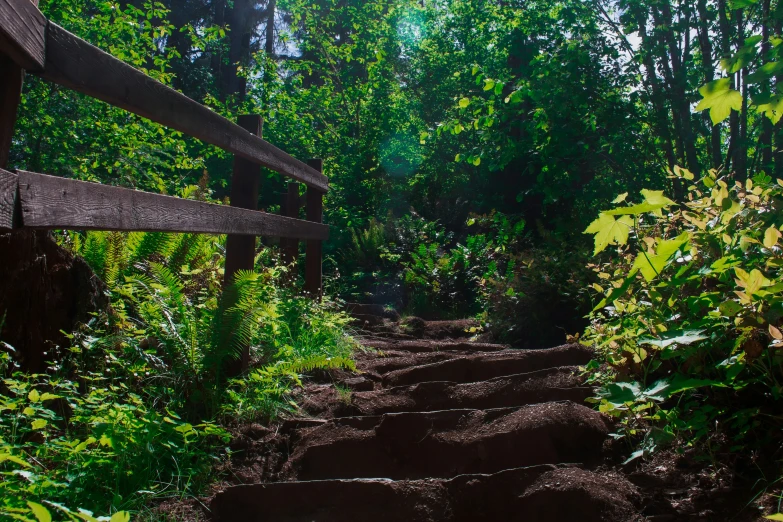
x: 436, y: 430
x: 441, y: 428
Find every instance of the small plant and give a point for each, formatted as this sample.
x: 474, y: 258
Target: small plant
x: 344, y: 394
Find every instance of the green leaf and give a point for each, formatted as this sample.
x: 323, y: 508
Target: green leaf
x: 34, y: 396
x: 650, y: 265
x: 741, y: 4
x: 770, y: 106
x: 40, y: 512
x: 720, y: 99
x: 730, y: 308
x: 39, y: 424
x: 608, y: 231
x: 464, y: 102
x: 620, y: 393
x: 676, y: 337
x: 776, y: 516
x: 620, y: 198
x: 120, y: 516
x: 489, y: 84
x: 665, y: 388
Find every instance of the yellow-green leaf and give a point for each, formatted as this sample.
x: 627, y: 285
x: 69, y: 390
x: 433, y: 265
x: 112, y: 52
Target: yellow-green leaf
x: 656, y: 197
x: 106, y: 441
x: 620, y: 198
x: 464, y: 102
x: 34, y: 396
x: 11, y: 458
x: 771, y: 107
x: 776, y: 516
x: 609, y: 230
x: 720, y: 99
x: 40, y: 512
x: 771, y: 237
x: 39, y: 424
x: 120, y: 516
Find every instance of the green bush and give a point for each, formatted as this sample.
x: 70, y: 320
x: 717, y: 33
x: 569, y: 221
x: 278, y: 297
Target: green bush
x: 691, y: 301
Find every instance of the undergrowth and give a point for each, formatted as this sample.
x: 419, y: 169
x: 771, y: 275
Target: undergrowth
x: 688, y: 323
x: 135, y: 409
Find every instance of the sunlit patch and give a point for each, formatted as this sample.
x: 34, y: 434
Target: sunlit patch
x: 411, y: 28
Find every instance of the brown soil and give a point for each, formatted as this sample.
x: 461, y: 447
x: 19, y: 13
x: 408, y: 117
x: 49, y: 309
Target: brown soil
x: 438, y: 429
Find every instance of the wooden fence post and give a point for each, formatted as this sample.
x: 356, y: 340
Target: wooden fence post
x: 241, y: 250
x: 245, y: 183
x: 290, y: 205
x: 313, y: 254
x: 10, y: 92
x: 11, y: 78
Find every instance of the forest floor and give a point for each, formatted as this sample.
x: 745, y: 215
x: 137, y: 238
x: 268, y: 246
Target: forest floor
x: 440, y: 426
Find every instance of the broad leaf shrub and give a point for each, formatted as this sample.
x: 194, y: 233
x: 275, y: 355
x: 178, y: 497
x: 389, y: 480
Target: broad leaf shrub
x: 688, y: 323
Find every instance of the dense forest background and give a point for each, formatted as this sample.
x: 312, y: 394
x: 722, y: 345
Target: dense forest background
x: 469, y: 145
x: 520, y: 119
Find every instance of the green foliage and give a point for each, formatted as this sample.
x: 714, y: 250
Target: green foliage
x: 56, y: 440
x: 151, y: 371
x: 689, y: 313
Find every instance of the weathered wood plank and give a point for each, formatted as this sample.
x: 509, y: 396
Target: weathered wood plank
x: 314, y: 252
x: 23, y: 33
x: 8, y: 190
x: 74, y: 63
x: 50, y: 202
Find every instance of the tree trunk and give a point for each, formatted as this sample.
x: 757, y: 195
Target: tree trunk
x: 659, y: 107
x: 741, y: 152
x: 680, y: 106
x: 708, y: 68
x: 765, y: 140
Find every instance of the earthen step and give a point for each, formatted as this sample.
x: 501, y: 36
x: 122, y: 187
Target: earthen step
x: 481, y: 367
x: 447, y: 443
x: 551, y: 384
x: 540, y: 493
x: 427, y: 345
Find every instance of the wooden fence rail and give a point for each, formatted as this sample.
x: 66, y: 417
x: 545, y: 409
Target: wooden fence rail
x: 29, y: 42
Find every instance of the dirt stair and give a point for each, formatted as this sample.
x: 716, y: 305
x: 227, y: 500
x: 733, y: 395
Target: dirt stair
x: 439, y: 428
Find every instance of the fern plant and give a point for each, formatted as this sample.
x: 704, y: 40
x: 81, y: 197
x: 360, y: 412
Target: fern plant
x: 180, y: 326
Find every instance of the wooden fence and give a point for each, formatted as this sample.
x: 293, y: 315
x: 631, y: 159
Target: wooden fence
x: 31, y: 43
